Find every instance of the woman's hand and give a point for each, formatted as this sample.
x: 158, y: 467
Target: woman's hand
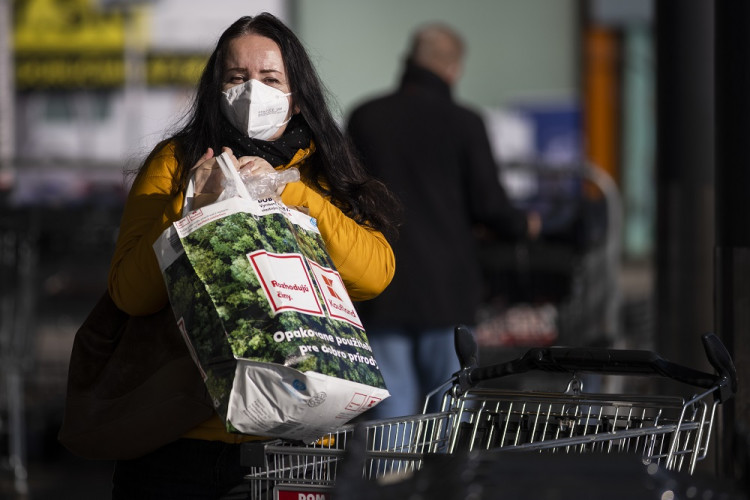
x: 208, y: 178
x: 253, y: 165
x: 250, y: 166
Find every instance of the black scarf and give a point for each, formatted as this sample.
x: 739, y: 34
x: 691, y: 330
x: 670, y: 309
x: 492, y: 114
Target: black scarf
x: 279, y: 152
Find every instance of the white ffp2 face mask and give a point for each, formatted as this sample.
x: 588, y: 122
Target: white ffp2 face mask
x: 256, y: 109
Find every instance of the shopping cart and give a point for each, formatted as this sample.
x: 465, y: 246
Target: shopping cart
x: 670, y: 431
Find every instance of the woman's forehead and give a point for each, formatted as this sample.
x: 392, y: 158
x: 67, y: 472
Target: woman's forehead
x: 255, y: 52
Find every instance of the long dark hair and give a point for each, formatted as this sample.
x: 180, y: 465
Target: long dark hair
x: 335, y: 169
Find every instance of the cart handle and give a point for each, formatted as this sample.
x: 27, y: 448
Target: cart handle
x: 604, y: 361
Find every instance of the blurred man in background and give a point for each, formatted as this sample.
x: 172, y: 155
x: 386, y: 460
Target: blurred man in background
x: 436, y: 157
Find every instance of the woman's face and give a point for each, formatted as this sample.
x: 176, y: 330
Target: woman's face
x: 255, y: 57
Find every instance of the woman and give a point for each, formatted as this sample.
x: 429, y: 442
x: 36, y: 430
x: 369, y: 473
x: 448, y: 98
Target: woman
x: 258, y: 65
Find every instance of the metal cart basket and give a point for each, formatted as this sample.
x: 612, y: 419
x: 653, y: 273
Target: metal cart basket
x: 670, y: 431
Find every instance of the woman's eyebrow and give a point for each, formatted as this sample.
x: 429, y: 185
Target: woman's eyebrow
x: 263, y: 71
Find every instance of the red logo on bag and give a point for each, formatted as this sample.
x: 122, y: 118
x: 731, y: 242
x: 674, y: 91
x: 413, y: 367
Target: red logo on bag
x: 329, y: 284
x: 336, y: 299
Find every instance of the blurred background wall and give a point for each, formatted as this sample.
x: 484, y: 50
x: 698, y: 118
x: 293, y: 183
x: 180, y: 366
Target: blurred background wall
x: 497, y: 72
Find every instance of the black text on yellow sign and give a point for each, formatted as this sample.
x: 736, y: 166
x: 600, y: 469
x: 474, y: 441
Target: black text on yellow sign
x: 174, y: 69
x: 74, y: 71
x: 103, y: 71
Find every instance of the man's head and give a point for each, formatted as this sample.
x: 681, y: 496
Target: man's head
x: 440, y: 49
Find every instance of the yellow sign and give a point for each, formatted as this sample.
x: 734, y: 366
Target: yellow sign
x: 54, y: 26
x: 68, y: 71
x: 93, y: 71
x: 65, y: 44
x: 180, y: 69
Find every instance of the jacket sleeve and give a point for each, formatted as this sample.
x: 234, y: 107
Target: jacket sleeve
x: 362, y: 256
x: 135, y: 280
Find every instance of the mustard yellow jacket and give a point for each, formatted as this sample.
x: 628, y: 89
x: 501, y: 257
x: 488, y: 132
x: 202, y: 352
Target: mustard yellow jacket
x: 362, y: 256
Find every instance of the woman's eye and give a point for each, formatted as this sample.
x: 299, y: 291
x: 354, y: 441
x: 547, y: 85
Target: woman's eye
x: 237, y: 79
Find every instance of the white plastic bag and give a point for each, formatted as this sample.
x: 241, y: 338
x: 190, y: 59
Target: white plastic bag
x: 267, y: 317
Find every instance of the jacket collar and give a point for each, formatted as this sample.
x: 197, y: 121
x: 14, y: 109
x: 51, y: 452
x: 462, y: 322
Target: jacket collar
x: 419, y: 79
x: 300, y: 156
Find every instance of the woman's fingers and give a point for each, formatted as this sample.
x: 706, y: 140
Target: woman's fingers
x: 246, y: 161
x: 256, y: 164
x: 234, y: 159
x: 208, y: 155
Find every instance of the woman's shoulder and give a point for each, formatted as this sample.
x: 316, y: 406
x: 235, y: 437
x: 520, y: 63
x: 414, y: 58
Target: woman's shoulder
x: 162, y: 161
x: 159, y: 170
x: 165, y: 150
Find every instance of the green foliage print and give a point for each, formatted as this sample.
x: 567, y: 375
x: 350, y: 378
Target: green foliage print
x: 190, y: 302
x: 219, y: 382
x: 218, y: 253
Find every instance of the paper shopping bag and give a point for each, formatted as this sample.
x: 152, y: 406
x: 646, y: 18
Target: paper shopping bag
x: 267, y: 318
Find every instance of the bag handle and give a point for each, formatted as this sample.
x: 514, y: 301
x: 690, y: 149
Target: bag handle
x: 230, y: 175
x: 187, y: 204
